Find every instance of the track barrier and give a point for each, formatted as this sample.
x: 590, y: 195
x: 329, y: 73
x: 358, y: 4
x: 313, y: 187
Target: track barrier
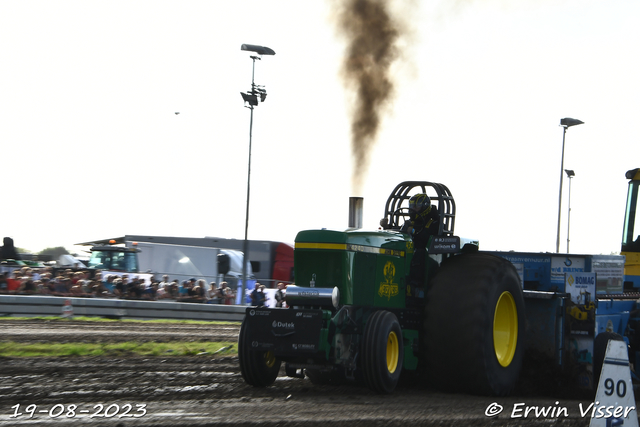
x: 36, y: 306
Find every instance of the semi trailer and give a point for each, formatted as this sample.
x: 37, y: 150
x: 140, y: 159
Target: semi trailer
x: 179, y: 262
x: 271, y: 262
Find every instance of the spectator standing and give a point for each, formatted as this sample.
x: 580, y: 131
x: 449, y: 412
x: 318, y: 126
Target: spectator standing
x: 211, y: 296
x: 60, y: 285
x: 135, y: 288
x: 15, y: 281
x: 192, y: 284
x: 202, y: 288
x: 32, y: 274
x: 4, y: 286
x: 199, y: 291
x: 118, y: 287
x: 254, y: 294
x: 184, y: 288
x: 188, y: 285
x: 48, y: 285
x: 75, y: 277
x: 225, y: 294
x: 86, y: 286
x: 151, y: 291
x: 161, y: 293
x: 258, y: 297
x: 109, y: 284
x: 41, y: 288
x: 28, y: 286
x: 280, y: 293
x: 76, y: 289
x: 221, y: 293
x: 174, y: 290
x: 99, y: 289
x: 165, y: 282
x: 8, y: 250
x: 231, y: 295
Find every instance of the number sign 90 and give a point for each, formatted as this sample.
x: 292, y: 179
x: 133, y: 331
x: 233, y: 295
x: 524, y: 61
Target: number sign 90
x: 610, y: 386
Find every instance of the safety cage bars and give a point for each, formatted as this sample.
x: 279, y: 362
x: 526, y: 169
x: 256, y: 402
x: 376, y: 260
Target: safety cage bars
x: 397, y: 206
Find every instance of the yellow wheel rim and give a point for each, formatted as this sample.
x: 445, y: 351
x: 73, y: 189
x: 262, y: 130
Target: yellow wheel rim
x: 393, y: 352
x: 505, y: 329
x: 269, y: 359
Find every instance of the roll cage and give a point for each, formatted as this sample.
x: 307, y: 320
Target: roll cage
x: 396, y: 212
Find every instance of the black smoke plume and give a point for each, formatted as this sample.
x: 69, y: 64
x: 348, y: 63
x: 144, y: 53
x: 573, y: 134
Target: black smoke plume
x: 372, y: 35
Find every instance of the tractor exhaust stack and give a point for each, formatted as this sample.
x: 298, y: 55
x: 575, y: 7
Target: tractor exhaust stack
x: 355, y: 212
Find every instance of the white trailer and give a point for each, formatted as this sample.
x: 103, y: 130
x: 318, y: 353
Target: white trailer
x: 183, y: 262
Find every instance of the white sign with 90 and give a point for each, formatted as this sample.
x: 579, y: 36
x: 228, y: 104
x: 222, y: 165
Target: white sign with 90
x: 615, y: 404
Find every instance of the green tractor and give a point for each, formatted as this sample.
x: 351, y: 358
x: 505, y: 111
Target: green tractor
x: 409, y: 299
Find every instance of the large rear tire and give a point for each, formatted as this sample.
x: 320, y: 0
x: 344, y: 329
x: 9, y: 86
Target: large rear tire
x: 474, y: 326
x: 382, y: 352
x: 258, y: 368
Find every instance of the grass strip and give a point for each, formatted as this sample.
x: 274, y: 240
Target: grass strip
x: 164, y: 349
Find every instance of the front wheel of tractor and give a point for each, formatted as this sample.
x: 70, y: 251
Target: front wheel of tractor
x: 382, y: 352
x: 258, y: 368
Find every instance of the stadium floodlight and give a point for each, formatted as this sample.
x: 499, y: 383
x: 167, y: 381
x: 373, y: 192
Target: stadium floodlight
x: 260, y: 50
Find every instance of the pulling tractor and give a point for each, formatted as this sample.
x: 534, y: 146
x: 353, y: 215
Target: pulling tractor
x: 358, y: 311
x: 371, y: 306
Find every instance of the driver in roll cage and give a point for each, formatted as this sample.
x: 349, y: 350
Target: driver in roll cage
x: 425, y: 221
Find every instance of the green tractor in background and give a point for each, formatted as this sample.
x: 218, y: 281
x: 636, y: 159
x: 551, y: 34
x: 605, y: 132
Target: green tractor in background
x: 410, y: 298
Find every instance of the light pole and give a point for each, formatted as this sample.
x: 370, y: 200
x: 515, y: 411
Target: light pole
x: 251, y: 98
x: 565, y: 123
x: 570, y: 174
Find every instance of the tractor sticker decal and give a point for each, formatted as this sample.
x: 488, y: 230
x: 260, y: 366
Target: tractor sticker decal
x: 388, y: 288
x: 393, y: 252
x: 373, y: 250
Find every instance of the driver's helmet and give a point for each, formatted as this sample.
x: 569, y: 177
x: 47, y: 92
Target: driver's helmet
x: 419, y: 206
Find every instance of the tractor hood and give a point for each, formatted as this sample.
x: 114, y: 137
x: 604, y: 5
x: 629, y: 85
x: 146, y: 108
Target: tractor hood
x: 354, y: 240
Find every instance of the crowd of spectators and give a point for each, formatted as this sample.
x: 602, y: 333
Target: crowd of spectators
x: 70, y: 283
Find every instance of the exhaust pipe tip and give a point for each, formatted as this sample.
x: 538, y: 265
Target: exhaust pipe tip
x: 355, y: 212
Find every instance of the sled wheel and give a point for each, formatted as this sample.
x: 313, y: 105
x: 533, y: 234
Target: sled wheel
x: 258, y: 368
x: 599, y: 351
x: 474, y: 326
x: 382, y: 352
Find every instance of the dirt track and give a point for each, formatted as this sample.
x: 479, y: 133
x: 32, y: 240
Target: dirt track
x: 208, y: 390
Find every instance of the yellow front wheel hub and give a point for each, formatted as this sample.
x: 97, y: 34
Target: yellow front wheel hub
x: 505, y: 329
x: 269, y: 359
x: 393, y: 352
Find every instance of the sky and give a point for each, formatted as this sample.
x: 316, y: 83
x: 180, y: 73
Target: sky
x: 92, y: 147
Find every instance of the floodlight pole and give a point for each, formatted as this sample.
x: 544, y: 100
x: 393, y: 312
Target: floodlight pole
x: 565, y: 123
x: 570, y: 175
x: 245, y: 244
x: 252, y: 99
x: 564, y: 132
